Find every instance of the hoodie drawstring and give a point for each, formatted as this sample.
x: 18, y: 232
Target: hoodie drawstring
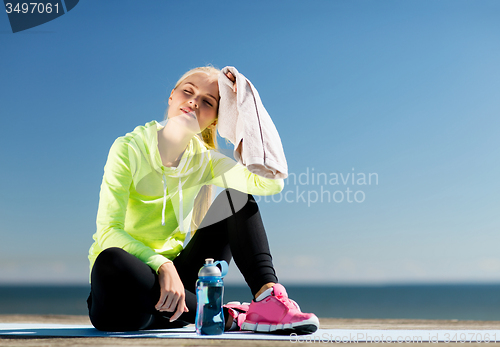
x: 164, y: 199
x: 181, y: 212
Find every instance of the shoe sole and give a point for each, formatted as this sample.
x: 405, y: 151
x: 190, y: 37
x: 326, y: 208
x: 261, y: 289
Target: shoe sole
x: 300, y: 328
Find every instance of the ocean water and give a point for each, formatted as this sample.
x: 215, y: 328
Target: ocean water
x: 463, y: 302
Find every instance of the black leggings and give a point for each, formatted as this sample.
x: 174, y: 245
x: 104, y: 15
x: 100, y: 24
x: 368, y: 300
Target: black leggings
x: 124, y: 290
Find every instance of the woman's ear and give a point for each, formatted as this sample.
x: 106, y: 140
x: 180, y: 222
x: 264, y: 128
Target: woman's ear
x: 170, y: 98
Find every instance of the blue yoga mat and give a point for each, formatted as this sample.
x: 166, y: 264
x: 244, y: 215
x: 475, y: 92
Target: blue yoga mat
x: 322, y: 335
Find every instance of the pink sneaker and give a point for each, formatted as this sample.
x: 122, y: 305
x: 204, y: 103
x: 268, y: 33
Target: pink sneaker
x: 280, y: 315
x: 238, y: 312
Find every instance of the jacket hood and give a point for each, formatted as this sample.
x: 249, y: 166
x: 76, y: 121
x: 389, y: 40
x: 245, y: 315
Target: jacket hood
x: 194, y: 157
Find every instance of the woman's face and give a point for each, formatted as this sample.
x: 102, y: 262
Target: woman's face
x: 195, y: 102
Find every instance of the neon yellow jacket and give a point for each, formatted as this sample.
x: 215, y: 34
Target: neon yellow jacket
x: 145, y: 208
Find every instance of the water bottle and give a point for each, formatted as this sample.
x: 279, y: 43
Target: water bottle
x: 209, y: 292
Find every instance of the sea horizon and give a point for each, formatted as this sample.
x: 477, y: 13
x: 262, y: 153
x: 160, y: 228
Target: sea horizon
x: 461, y: 301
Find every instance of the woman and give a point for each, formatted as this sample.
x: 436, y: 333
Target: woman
x: 155, y: 224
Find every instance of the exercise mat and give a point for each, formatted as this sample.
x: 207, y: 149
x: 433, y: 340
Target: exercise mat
x: 322, y: 335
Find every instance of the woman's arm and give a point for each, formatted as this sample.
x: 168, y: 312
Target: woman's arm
x: 113, y: 202
x: 230, y: 174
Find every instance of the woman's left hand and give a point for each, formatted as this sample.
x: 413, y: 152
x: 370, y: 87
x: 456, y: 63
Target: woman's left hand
x: 232, y: 79
x: 172, y: 295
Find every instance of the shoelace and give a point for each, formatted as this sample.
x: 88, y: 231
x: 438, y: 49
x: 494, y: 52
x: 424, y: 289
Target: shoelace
x: 288, y: 302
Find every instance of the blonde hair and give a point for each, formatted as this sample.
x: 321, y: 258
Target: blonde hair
x: 209, y: 137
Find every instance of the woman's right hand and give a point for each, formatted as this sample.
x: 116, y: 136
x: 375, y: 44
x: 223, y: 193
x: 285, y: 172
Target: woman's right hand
x: 172, y: 294
x: 232, y: 79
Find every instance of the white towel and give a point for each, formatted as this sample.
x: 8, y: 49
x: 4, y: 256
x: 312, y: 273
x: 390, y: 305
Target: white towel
x: 244, y: 121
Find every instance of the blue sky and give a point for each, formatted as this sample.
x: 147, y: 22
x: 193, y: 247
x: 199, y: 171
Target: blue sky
x: 405, y: 90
